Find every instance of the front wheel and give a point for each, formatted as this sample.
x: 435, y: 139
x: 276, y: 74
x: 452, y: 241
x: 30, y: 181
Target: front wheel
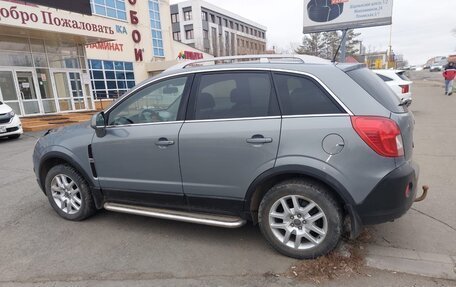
x: 68, y: 193
x: 300, y: 219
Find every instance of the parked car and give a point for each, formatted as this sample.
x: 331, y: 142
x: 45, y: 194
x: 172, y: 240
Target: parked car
x: 438, y: 67
x: 399, y: 82
x: 10, y: 124
x: 296, y: 146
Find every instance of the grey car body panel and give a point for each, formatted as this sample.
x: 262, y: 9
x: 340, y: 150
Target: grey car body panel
x: 127, y: 158
x: 301, y: 144
x: 66, y: 143
x: 406, y: 123
x: 216, y: 159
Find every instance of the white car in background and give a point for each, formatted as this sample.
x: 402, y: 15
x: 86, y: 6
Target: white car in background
x: 10, y: 124
x: 398, y: 81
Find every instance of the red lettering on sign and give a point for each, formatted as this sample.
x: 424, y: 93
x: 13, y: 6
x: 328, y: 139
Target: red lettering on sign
x: 106, y: 46
x: 138, y: 55
x: 136, y: 36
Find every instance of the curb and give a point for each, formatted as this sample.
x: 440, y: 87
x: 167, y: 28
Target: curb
x: 433, y: 265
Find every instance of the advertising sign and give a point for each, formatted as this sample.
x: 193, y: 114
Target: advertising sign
x: 330, y: 15
x: 78, y: 6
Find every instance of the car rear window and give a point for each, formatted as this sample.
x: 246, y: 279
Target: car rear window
x: 402, y: 76
x: 375, y: 86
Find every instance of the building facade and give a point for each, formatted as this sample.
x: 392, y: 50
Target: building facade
x: 216, y: 31
x: 63, y: 60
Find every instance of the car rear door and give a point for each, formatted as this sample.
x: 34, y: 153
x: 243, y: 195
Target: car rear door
x: 137, y: 161
x: 231, y: 135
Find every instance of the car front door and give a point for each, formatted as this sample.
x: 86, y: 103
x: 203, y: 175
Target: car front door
x: 137, y: 159
x: 230, y: 136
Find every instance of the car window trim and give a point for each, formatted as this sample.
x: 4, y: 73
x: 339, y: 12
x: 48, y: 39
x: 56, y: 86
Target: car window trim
x: 144, y: 124
x: 222, y: 69
x: 234, y: 119
x: 182, y: 105
x: 191, y: 110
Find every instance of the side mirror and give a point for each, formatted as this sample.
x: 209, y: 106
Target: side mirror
x: 98, y: 123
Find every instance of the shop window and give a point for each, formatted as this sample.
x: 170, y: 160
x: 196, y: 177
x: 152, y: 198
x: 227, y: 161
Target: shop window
x: 155, y: 24
x: 109, y: 8
x: 111, y: 79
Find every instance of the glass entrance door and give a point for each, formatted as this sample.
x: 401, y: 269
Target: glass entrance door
x: 8, y: 92
x: 28, y: 92
x: 76, y: 91
x: 62, y: 90
x: 69, y: 90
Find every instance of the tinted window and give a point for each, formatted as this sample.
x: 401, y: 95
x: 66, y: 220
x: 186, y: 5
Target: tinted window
x: 384, y: 78
x: 377, y: 89
x: 302, y: 96
x: 235, y: 95
x: 156, y: 103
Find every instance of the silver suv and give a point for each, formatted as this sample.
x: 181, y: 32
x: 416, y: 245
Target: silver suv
x: 299, y: 146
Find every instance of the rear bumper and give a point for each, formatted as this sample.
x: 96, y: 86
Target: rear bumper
x: 388, y: 200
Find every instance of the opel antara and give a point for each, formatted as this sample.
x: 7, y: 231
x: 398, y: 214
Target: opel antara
x: 298, y: 146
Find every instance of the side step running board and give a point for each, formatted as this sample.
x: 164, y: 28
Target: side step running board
x: 200, y: 218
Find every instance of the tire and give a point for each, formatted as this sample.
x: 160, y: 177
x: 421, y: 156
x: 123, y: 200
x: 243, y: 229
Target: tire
x: 75, y: 202
x: 13, y: 137
x: 304, y: 224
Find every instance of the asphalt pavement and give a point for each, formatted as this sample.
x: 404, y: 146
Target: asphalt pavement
x: 38, y: 248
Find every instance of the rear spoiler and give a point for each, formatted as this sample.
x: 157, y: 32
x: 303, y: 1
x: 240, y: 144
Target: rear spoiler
x: 350, y: 67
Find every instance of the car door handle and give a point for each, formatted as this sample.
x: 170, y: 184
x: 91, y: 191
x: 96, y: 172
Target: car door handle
x: 164, y: 142
x: 259, y: 139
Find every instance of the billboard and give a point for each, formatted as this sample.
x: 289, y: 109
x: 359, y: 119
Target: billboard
x: 78, y: 6
x: 330, y: 15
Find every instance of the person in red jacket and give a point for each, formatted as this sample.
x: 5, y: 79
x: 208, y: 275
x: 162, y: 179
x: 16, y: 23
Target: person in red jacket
x: 449, y: 74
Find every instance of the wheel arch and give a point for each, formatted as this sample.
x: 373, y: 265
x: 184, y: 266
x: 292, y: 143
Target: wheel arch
x: 266, y: 180
x: 54, y: 158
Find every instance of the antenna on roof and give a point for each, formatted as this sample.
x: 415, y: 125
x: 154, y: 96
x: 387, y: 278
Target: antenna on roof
x: 342, y: 44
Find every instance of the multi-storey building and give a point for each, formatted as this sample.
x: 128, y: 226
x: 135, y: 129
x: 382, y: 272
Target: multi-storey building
x: 216, y: 31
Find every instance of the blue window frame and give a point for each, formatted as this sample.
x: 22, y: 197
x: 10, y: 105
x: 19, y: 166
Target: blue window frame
x: 109, y: 8
x: 155, y: 26
x: 111, y: 79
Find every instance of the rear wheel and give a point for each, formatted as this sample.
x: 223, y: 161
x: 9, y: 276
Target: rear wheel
x: 69, y: 193
x: 300, y: 219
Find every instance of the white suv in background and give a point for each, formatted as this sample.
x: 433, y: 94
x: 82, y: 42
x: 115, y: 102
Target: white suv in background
x: 398, y: 81
x: 10, y: 124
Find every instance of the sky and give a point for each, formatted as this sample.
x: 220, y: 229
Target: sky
x: 421, y: 28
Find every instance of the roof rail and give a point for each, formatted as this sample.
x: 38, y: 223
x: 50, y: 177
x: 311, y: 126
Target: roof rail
x: 266, y: 58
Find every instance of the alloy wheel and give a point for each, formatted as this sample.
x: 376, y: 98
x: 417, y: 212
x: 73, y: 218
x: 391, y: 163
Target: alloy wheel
x: 66, y: 194
x: 298, y: 222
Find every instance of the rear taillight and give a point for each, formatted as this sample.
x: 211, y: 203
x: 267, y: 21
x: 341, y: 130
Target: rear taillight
x: 381, y: 134
x: 405, y: 88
